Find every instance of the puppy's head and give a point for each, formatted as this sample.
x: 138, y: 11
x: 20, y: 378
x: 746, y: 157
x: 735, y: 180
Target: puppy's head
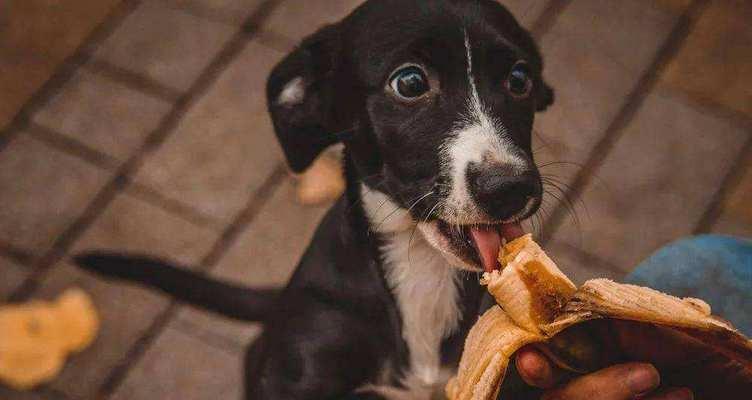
x: 437, y: 100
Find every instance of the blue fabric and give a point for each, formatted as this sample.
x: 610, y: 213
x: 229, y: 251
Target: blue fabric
x: 717, y: 269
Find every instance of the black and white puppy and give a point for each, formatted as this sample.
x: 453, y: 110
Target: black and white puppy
x: 434, y: 102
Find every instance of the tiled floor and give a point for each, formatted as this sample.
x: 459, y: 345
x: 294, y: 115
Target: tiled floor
x: 35, y: 37
x: 159, y: 142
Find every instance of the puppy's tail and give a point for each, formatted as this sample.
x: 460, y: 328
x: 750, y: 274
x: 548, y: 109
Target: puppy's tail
x: 241, y: 303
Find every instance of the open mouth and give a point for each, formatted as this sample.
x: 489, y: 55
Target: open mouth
x: 479, y: 245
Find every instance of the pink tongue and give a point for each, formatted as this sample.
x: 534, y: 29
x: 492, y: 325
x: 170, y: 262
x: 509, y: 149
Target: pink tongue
x: 488, y: 242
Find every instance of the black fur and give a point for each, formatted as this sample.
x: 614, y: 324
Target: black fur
x: 336, y: 326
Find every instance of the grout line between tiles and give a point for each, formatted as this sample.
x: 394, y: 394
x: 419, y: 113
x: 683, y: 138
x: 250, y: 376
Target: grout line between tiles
x: 276, y: 41
x: 133, y: 80
x: 542, y: 25
x: 136, y: 189
x: 647, y: 82
x: 17, y: 255
x: 174, y: 207
x: 548, y: 17
x: 208, y: 14
x: 730, y: 182
x: 253, y: 24
x: 243, y: 219
x: 208, y: 337
x: 708, y: 106
x: 66, y: 70
x: 234, y: 46
x: 59, y: 248
x: 100, y: 201
x: 103, y: 161
x: 71, y: 146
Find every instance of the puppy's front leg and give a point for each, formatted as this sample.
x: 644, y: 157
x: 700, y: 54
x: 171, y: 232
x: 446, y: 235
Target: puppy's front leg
x: 314, y: 351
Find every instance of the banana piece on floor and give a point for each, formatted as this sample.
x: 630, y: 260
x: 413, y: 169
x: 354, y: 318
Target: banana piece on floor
x: 36, y: 337
x: 538, y: 304
x: 78, y: 319
x: 323, y: 182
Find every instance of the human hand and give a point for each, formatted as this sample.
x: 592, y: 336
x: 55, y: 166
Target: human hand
x: 619, y: 382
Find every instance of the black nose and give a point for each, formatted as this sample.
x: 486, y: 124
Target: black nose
x: 502, y: 193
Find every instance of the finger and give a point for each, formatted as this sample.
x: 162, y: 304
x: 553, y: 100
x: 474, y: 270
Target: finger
x: 672, y: 394
x: 620, y: 382
x: 535, y: 369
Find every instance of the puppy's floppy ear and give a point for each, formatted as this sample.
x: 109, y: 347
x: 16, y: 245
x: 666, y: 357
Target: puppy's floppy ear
x: 545, y: 97
x: 544, y: 94
x: 300, y: 94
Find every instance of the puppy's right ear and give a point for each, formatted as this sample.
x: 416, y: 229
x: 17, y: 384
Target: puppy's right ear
x: 545, y: 97
x: 300, y: 95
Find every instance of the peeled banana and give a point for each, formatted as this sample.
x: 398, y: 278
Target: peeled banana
x: 601, y: 323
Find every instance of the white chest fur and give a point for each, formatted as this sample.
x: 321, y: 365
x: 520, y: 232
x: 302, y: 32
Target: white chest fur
x: 426, y: 291
x: 423, y: 283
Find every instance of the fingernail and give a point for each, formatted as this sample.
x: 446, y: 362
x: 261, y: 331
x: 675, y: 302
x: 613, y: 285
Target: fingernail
x: 642, y: 379
x: 680, y: 394
x: 533, y: 367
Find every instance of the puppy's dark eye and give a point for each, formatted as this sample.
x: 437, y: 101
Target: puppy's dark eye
x: 519, y: 83
x: 409, y: 82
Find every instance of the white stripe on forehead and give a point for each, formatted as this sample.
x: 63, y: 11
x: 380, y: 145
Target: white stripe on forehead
x: 476, y: 136
x: 477, y: 112
x: 470, y: 78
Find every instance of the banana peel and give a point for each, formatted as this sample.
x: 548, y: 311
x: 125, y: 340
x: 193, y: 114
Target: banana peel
x: 601, y: 323
x: 37, y: 337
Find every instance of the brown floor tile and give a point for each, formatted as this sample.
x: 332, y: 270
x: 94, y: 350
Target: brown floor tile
x: 590, y: 79
x: 127, y: 311
x: 580, y: 267
x: 179, y: 367
x: 298, y: 19
x: 216, y: 330
x: 233, y: 11
x: 35, y: 37
x: 50, y: 28
x: 224, y: 148
x: 676, y: 6
x: 269, y: 249
x: 132, y: 225
x: 43, y: 192
x: 736, y: 215
x: 728, y: 224
x: 739, y: 201
x: 8, y: 394
x: 715, y: 62
x: 615, y: 28
x: 656, y: 183
x: 526, y: 11
x: 13, y: 275
x: 265, y: 255
x: 590, y: 91
x: 102, y: 114
x: 165, y: 44
x: 21, y: 75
